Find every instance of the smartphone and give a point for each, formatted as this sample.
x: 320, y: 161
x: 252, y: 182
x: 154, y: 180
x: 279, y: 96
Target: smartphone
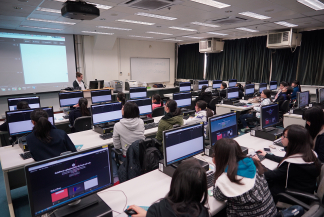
x: 266, y: 149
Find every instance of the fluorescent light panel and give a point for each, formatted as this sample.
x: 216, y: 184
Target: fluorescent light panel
x: 314, y: 4
x: 204, y: 24
x: 216, y: 33
x: 137, y: 36
x: 248, y: 30
x: 51, y: 21
x: 283, y: 23
x: 100, y: 33
x: 170, y: 39
x: 105, y: 7
x: 36, y: 27
x: 184, y: 29
x: 155, y: 16
x: 254, y: 15
x: 108, y: 27
x: 159, y: 33
x: 193, y: 37
x: 136, y: 22
x: 49, y: 10
x: 212, y: 3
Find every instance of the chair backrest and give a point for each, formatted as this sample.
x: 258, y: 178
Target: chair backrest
x: 285, y: 106
x: 213, y: 102
x: 82, y: 123
x: 320, y: 189
x: 159, y: 111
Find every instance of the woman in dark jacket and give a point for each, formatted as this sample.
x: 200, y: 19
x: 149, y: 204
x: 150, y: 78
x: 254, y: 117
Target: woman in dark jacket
x: 299, y: 168
x: 205, y: 95
x: 183, y: 200
x: 241, y: 90
x: 81, y: 110
x: 296, y: 88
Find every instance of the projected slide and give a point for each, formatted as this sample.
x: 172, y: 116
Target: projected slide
x: 33, y: 62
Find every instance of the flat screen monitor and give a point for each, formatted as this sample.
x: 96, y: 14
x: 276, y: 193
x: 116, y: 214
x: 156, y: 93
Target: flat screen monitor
x: 201, y: 83
x: 249, y: 89
x: 70, y: 98
x: 59, y: 181
x: 104, y: 113
x: 232, y: 93
x: 321, y: 95
x: 269, y: 115
x: 303, y: 99
x: 19, y: 122
x: 93, y: 85
x: 33, y: 102
x: 232, y: 82
x: 217, y: 84
x: 184, y: 86
x: 144, y: 105
x: 262, y: 86
x: 98, y: 96
x: 222, y: 126
x: 182, y: 143
x: 273, y: 85
x: 137, y: 92
x: 182, y: 99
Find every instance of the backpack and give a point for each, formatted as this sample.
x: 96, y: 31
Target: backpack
x: 293, y: 211
x: 151, y: 159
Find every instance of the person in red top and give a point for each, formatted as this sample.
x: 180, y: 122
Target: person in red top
x: 156, y: 102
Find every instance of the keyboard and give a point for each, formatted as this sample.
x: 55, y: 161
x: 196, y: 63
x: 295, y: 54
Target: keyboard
x: 26, y: 155
x: 259, y: 156
x: 106, y: 136
x: 278, y: 142
x: 66, y: 117
x: 240, y: 104
x: 210, y: 178
x: 150, y: 125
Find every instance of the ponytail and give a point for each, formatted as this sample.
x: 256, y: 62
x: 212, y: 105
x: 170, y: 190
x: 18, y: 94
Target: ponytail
x: 83, y: 104
x: 121, y: 97
x: 42, y: 126
x: 298, y: 84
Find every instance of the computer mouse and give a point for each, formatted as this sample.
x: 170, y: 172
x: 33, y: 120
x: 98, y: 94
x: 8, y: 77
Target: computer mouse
x: 258, y: 152
x: 130, y: 212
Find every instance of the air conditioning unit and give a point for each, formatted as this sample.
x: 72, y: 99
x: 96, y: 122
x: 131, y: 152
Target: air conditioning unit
x: 286, y: 39
x: 150, y: 4
x: 211, y: 46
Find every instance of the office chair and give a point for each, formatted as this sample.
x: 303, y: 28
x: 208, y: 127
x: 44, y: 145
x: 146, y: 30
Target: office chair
x: 284, y: 107
x: 82, y: 123
x: 213, y: 102
x: 159, y: 111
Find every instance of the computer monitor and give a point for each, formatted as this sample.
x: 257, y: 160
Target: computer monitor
x: 33, y: 102
x: 144, y: 105
x: 269, y: 115
x: 201, y: 83
x: 232, y: 93
x: 232, y: 82
x: 104, y: 113
x: 217, y: 84
x: 249, y: 89
x: 273, y: 85
x: 321, y: 95
x: 262, y: 86
x: 137, y: 92
x: 182, y: 99
x: 62, y: 180
x: 222, y: 126
x: 70, y: 98
x: 19, y: 122
x: 93, y: 85
x: 182, y: 143
x: 98, y: 96
x: 303, y: 99
x: 184, y: 86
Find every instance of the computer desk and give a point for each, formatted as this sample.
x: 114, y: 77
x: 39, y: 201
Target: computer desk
x: 224, y: 108
x: 289, y: 119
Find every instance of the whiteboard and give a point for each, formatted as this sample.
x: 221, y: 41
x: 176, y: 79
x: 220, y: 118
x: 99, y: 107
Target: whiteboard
x: 150, y: 70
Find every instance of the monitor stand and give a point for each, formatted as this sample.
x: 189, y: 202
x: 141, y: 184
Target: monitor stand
x: 268, y: 129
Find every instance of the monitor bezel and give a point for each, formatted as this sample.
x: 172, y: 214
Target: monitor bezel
x: 137, y: 97
x: 203, y: 85
x: 149, y: 99
x: 261, y: 111
x: 103, y: 105
x: 238, y: 95
x: 298, y: 99
x: 22, y: 98
x: 97, y: 91
x: 69, y: 92
x: 183, y: 93
x: 184, y: 90
x: 270, y: 85
x: 319, y: 93
x: 249, y: 88
x: 31, y: 202
x: 265, y: 87
x: 232, y: 80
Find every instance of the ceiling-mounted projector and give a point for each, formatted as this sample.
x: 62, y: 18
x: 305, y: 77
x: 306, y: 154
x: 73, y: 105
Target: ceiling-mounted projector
x: 80, y: 10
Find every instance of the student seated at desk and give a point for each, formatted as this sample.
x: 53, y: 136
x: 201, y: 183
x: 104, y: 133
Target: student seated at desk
x: 20, y: 105
x: 129, y: 129
x: 173, y: 116
x: 265, y: 100
x: 222, y: 91
x: 121, y: 98
x: 239, y: 180
x: 81, y: 109
x: 241, y: 90
x: 299, y: 168
x: 314, y: 118
x: 46, y: 141
x: 156, y: 102
x: 296, y: 88
x: 281, y: 86
x: 187, y: 196
x: 205, y: 94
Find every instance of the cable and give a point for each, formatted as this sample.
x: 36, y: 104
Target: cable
x: 125, y: 198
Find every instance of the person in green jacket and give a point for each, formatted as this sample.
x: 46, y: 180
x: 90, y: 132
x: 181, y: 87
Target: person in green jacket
x: 173, y: 116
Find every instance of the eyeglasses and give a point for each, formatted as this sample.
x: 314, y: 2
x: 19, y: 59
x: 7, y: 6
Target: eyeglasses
x: 283, y: 136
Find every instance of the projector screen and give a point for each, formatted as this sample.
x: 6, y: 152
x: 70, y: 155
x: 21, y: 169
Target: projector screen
x: 33, y: 62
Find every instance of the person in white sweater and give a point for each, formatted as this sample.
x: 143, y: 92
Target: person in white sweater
x: 265, y: 100
x: 126, y: 131
x: 202, y: 114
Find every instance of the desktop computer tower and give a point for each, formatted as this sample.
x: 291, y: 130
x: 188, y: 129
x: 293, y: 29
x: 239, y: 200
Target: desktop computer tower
x: 230, y: 101
x: 169, y: 170
x: 269, y: 134
x: 195, y: 85
x: 23, y: 144
x: 103, y: 129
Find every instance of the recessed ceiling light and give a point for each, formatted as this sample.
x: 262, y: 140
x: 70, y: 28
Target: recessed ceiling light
x: 170, y: 39
x: 204, y: 24
x: 184, y: 29
x: 228, y: 11
x: 106, y: 7
x: 159, y: 33
x: 48, y: 10
x: 17, y: 8
x: 248, y: 30
x: 314, y: 4
x: 155, y: 16
x: 216, y: 33
x: 283, y: 23
x: 270, y: 10
x: 212, y: 3
x: 136, y: 22
x: 254, y: 15
x: 36, y: 27
x: 108, y: 27
x: 51, y: 21
x: 137, y: 36
x: 101, y: 33
x: 193, y: 37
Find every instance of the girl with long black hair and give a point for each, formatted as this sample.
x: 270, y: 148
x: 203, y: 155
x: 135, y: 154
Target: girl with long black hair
x: 80, y: 111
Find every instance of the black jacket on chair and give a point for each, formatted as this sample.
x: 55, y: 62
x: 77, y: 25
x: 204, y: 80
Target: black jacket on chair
x: 222, y: 93
x: 206, y: 96
x: 74, y: 114
x: 76, y: 85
